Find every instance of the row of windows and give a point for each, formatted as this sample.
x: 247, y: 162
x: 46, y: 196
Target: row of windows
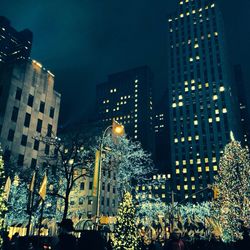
x: 31, y: 101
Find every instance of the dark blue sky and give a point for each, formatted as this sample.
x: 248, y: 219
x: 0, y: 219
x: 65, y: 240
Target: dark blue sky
x: 82, y: 41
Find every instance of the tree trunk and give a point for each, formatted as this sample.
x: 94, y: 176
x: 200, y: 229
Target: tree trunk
x: 66, y: 206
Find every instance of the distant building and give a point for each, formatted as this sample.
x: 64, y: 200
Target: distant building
x: 127, y: 97
x: 160, y: 187
x: 82, y: 200
x: 29, y: 107
x: 243, y: 105
x: 14, y: 45
x: 202, y: 105
x: 162, y: 153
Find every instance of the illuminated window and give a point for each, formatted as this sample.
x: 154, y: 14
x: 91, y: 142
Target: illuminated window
x: 184, y: 171
x: 206, y: 160
x: 175, y: 140
x: 224, y: 110
x: 186, y: 83
x: 186, y: 89
x: 192, y: 81
x: 181, y: 15
x: 193, y: 187
x: 217, y: 111
x: 163, y: 187
x: 143, y: 187
x: 111, y: 91
x: 212, y: 5
x: 136, y: 86
x: 216, y: 33
x: 190, y: 138
x: 174, y: 105
x: 207, y: 168
x: 185, y: 187
x: 217, y: 119
x: 150, y: 196
x: 136, y: 95
x: 169, y: 176
x: 182, y: 139
x: 193, y: 88
x: 196, y: 46
x: 210, y: 120
x: 177, y: 163
x: 163, y: 196
x: 191, y: 161
x: 193, y: 11
x: 114, y: 90
x: 107, y: 110
x: 197, y: 137
x: 206, y: 84
x: 178, y: 187
x: 135, y: 136
x: 184, y: 162
x: 136, y: 81
x: 187, y: 13
x: 181, y: 3
x: 199, y: 169
x: 195, y: 122
x: 215, y: 168
x: 180, y: 97
x: 180, y: 104
x: 222, y: 88
x: 197, y: 58
x: 191, y: 59
x: 177, y: 171
x: 192, y: 178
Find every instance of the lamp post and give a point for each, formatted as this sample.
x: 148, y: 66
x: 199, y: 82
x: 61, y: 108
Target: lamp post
x: 117, y: 130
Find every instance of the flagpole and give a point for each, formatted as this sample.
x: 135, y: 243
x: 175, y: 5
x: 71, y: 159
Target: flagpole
x: 31, y: 201
x: 41, y: 219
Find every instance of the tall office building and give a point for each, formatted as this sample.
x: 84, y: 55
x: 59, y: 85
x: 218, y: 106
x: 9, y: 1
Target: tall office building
x: 14, y: 45
x: 29, y: 107
x: 243, y: 105
x: 201, y: 100
x: 127, y: 97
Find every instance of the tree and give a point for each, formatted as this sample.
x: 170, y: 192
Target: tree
x: 125, y: 234
x: 3, y: 207
x: 233, y: 184
x: 128, y: 160
x: 69, y: 162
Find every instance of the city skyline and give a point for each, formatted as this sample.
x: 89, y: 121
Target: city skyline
x: 111, y: 46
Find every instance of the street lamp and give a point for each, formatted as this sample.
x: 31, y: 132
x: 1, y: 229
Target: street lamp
x: 117, y: 129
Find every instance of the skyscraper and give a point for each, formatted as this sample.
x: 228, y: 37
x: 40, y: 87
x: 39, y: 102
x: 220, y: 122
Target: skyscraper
x: 14, y: 45
x: 201, y: 100
x: 29, y: 107
x: 127, y: 97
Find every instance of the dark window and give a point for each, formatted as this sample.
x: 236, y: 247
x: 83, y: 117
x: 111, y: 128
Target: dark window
x: 20, y: 160
x: 33, y: 163
x: 72, y: 202
x: 36, y: 145
x: 51, y: 112
x: 107, y: 202
x: 81, y: 200
x: 90, y: 185
x: 7, y: 155
x: 82, y: 186
x: 18, y: 93
x: 42, y: 106
x: 46, y: 150
x: 24, y: 140
x: 14, y: 114
x: 113, y: 190
x: 49, y: 131
x: 27, y: 120
x: 39, y: 125
x: 11, y: 135
x: 30, y: 100
x: 89, y: 202
x: 108, y: 187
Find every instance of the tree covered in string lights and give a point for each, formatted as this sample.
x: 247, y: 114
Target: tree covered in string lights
x: 125, y: 234
x: 3, y: 207
x: 233, y: 184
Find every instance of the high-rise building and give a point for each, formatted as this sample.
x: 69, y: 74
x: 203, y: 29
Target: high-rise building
x: 127, y: 97
x: 202, y: 113
x: 29, y: 107
x: 243, y: 105
x: 14, y: 45
x: 162, y: 155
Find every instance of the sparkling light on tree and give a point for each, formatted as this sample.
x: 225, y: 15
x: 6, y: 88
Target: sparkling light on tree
x: 3, y: 207
x: 233, y: 182
x: 125, y: 234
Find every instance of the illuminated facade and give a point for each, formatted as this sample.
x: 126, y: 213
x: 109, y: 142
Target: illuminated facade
x: 29, y: 107
x: 127, y: 97
x: 201, y: 102
x: 14, y: 45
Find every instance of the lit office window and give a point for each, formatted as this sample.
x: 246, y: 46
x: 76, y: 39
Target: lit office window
x: 222, y: 89
x: 224, y: 110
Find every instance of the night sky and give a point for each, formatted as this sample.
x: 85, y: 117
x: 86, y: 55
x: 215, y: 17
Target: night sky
x: 82, y: 41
